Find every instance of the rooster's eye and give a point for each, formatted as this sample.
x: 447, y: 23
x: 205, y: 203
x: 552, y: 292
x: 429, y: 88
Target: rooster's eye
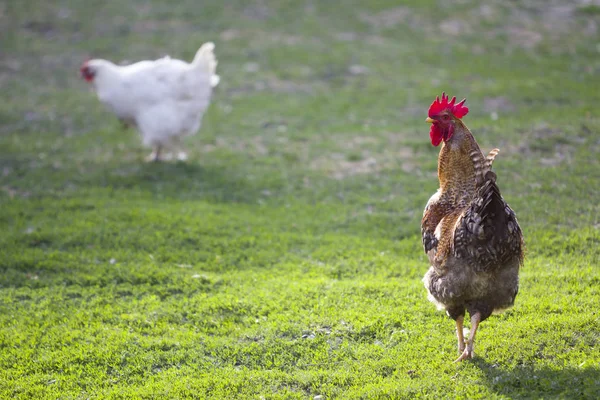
x: 445, y: 117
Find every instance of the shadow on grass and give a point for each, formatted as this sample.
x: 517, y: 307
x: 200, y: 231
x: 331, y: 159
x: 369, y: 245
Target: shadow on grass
x: 31, y: 175
x: 542, y: 382
x: 160, y: 180
x: 175, y: 180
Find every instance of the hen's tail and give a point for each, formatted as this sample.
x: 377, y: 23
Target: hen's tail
x: 206, y: 61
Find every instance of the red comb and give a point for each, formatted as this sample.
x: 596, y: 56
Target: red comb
x: 458, y: 109
x: 84, y: 63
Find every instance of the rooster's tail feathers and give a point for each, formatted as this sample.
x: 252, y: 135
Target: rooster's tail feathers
x: 482, y: 166
x: 490, y: 158
x: 478, y: 165
x: 206, y: 61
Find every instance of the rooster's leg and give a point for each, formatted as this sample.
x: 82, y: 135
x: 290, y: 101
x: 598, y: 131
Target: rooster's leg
x: 459, y: 333
x: 468, y: 352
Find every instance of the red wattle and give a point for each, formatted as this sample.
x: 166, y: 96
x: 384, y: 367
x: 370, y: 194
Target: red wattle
x: 435, y: 135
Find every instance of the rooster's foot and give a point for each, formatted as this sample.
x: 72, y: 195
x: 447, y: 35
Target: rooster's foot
x: 466, y: 354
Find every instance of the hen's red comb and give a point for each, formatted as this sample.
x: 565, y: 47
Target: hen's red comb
x: 458, y: 109
x: 84, y: 63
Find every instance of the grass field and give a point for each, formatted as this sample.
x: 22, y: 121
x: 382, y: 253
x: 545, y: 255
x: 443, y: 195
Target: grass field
x: 283, y: 260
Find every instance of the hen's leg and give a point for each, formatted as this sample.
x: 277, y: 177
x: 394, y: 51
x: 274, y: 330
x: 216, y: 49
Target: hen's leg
x: 459, y: 333
x: 182, y: 155
x: 468, y: 352
x: 155, y: 155
x: 178, y: 148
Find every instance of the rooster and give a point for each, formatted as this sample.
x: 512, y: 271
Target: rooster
x: 164, y: 99
x: 470, y: 234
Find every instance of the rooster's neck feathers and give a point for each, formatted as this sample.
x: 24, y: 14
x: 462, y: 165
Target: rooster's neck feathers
x: 460, y: 165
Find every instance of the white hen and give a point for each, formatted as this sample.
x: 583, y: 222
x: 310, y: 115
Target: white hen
x: 164, y: 99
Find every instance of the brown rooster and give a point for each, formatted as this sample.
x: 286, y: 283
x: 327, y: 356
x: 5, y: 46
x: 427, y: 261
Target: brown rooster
x: 470, y: 234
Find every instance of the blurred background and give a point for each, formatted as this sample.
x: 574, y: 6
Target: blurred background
x: 317, y: 88
x: 321, y: 101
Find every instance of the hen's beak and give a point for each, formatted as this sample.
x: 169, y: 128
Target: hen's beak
x: 429, y: 120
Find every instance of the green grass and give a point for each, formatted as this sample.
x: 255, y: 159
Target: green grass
x: 283, y: 260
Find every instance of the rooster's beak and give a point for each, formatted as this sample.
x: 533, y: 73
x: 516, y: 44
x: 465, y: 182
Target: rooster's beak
x: 429, y: 120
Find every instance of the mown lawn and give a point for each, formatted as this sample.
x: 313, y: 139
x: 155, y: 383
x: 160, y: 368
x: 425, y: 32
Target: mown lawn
x: 283, y: 260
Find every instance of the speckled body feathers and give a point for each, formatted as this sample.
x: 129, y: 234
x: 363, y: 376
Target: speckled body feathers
x: 470, y: 234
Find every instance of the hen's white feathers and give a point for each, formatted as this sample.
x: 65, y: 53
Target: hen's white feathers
x: 205, y: 59
x: 165, y: 99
